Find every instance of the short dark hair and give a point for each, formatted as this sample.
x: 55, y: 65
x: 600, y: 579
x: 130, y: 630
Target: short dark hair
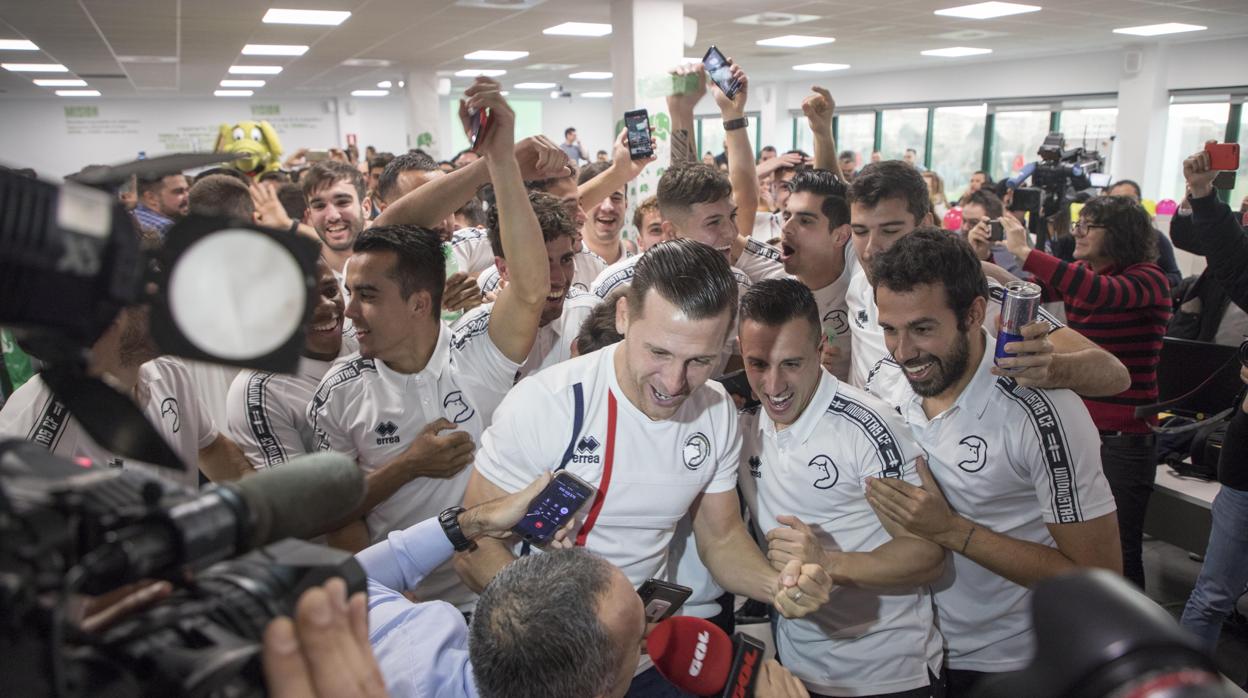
x: 987, y: 200
x: 912, y: 150
x: 381, y: 160
x: 683, y: 186
x: 1139, y: 193
x: 891, y: 179
x: 278, y: 176
x: 420, y: 266
x: 515, y: 630
x: 388, y: 182
x: 772, y: 148
x: 930, y: 256
x: 157, y: 184
x: 326, y: 173
x: 1131, y: 239
x: 690, y: 275
x: 546, y: 184
x: 824, y: 183
x: 598, y: 329
x: 472, y: 211
x: 211, y: 171
x: 551, y: 218
x: 592, y: 170
x: 221, y: 196
x: 774, y: 302
x: 293, y: 200
x: 570, y: 129
x: 847, y: 155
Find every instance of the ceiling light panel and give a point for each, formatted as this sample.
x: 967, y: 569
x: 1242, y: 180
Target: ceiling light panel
x: 255, y: 69
x: 370, y: 93
x: 274, y: 50
x: 35, y: 67
x: 61, y: 83
x: 795, y: 41
x: 821, y: 67
x: 242, y: 83
x: 591, y: 75
x: 987, y: 10
x: 17, y: 45
x: 489, y: 55
x: 956, y: 52
x: 233, y: 93
x: 578, y: 29
x: 327, y: 18
x: 1160, y: 29
x: 77, y: 93
x: 474, y: 72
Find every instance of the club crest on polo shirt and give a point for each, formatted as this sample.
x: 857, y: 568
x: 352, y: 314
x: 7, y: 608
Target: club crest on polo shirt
x: 587, y: 450
x: 974, y: 454
x: 836, y: 320
x: 457, y: 410
x: 826, y: 472
x: 169, y: 408
x: 697, y: 449
x: 386, y: 433
x: 861, y: 319
x: 756, y: 467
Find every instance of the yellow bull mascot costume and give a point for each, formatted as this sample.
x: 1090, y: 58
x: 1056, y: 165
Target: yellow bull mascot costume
x: 257, y: 141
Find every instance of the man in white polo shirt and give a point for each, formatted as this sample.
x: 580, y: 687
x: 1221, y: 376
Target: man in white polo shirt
x: 887, y: 200
x: 639, y: 421
x: 1015, y: 487
x: 814, y: 247
x: 411, y: 370
x: 565, y: 309
x: 808, y: 454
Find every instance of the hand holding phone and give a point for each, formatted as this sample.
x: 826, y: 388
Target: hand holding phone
x: 998, y: 231
x: 553, y: 507
x: 637, y: 129
x: 1223, y: 156
x: 662, y: 599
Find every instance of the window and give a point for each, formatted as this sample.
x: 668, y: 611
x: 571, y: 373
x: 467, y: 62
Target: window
x: 1018, y: 135
x: 1092, y: 129
x: 902, y: 129
x: 856, y: 132
x: 957, y: 146
x: 1189, y: 126
x: 1241, y: 179
x: 710, y: 134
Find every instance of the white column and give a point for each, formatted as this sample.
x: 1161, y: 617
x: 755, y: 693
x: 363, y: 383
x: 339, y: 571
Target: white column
x: 424, y: 128
x: 647, y: 40
x: 1143, y: 111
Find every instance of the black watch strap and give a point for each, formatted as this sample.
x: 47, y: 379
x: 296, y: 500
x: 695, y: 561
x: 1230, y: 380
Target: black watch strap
x: 735, y: 124
x: 450, y: 525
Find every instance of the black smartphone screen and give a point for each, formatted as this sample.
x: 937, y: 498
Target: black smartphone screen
x: 558, y: 502
x: 997, y: 232
x: 662, y: 599
x: 720, y: 72
x: 638, y: 125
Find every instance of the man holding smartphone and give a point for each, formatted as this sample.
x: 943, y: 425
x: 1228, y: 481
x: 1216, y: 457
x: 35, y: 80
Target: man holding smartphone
x: 605, y: 415
x: 982, y: 211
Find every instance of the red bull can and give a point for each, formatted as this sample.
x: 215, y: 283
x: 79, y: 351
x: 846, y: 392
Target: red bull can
x: 1018, y: 309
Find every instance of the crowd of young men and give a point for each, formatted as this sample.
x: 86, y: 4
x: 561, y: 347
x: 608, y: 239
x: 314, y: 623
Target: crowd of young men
x: 906, y: 490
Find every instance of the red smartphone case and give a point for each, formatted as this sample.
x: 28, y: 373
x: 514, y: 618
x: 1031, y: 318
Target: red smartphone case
x: 1223, y: 156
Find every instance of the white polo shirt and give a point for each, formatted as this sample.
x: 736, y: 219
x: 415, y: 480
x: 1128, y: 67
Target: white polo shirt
x: 268, y: 413
x: 834, y: 315
x: 863, y: 641
x: 767, y: 226
x: 364, y: 409
x: 472, y: 251
x: 554, y: 339
x: 867, y: 346
x: 33, y: 413
x: 760, y: 261
x: 657, y: 468
x: 1011, y: 459
x: 621, y: 273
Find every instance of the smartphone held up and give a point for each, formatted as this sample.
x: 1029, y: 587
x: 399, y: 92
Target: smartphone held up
x: 558, y: 502
x: 720, y: 71
x: 637, y: 127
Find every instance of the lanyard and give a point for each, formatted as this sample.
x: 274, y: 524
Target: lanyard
x: 607, y: 465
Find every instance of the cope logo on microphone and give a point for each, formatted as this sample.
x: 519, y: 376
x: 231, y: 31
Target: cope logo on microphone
x: 699, y: 653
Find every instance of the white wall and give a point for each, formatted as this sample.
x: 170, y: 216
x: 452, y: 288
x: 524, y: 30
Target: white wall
x: 51, y: 137
x: 591, y: 117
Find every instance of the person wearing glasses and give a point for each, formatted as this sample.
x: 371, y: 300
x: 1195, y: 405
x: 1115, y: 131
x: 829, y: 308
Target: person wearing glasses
x: 1116, y: 295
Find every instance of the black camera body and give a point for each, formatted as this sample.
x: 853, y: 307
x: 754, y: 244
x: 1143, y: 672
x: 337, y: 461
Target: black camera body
x: 69, y: 526
x: 1064, y: 173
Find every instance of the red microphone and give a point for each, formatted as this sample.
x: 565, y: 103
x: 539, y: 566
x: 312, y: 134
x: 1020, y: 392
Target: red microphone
x: 699, y: 658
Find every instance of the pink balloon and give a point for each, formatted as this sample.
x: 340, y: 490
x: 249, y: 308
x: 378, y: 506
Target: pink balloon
x: 1167, y: 207
x: 953, y: 219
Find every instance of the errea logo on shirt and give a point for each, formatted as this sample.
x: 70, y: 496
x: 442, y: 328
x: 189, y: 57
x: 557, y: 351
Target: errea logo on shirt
x: 756, y: 467
x: 385, y: 433
x: 587, y: 450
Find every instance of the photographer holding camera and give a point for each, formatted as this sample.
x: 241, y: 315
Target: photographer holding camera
x: 1117, y: 296
x: 1224, y: 574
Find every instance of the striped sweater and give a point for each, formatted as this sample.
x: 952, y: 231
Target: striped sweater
x: 1125, y: 311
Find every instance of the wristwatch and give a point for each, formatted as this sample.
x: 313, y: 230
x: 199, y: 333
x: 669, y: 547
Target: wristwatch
x: 450, y: 526
x: 735, y: 124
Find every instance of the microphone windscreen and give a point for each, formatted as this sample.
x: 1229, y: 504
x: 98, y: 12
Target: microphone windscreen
x: 692, y: 653
x: 306, y: 497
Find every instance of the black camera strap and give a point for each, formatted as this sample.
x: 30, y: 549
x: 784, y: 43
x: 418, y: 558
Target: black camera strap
x: 1145, y: 411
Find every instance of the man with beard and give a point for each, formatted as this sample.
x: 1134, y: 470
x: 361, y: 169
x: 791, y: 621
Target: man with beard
x: 809, y: 454
x: 162, y: 202
x: 1014, y: 487
x: 566, y: 307
x: 411, y: 370
x: 160, y: 386
x: 887, y: 201
x: 335, y: 192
